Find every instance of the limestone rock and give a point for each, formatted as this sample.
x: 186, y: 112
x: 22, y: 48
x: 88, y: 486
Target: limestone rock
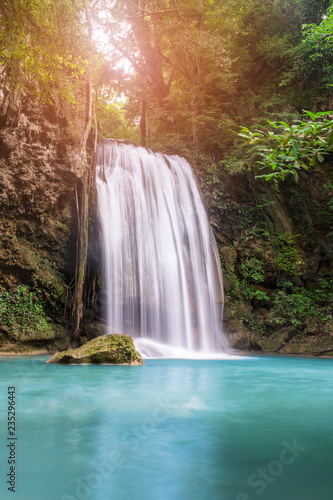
x: 237, y: 333
x: 108, y: 349
x: 237, y: 310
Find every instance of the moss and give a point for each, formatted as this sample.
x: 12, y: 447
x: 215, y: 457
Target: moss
x: 110, y: 349
x: 23, y: 316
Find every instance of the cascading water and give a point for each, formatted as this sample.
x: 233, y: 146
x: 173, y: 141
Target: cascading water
x: 162, y: 273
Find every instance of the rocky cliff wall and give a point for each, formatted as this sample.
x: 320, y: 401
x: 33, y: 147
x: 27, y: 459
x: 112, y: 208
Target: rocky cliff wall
x: 276, y: 249
x: 39, y: 169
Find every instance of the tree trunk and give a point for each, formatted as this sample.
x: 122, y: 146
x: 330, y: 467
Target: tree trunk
x: 196, y: 104
x: 150, y: 50
x: 82, y: 196
x: 195, y: 125
x: 143, y: 119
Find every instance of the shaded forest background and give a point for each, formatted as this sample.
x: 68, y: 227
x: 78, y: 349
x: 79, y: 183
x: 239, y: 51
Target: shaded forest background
x: 242, y: 89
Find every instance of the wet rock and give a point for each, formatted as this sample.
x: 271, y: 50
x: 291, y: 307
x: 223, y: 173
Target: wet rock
x: 238, y: 335
x: 108, y: 349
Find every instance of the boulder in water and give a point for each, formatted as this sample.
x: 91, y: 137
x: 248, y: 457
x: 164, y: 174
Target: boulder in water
x: 109, y: 349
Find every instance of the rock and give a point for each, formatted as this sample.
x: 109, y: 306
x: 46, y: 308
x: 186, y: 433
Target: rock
x: 95, y: 329
x: 320, y: 344
x: 108, y: 349
x: 277, y: 340
x: 236, y: 310
x: 230, y: 256
x: 37, y: 206
x: 237, y: 333
x: 52, y: 339
x: 312, y: 329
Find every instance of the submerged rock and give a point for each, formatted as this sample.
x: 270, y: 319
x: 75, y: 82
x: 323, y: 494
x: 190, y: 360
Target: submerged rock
x: 110, y: 349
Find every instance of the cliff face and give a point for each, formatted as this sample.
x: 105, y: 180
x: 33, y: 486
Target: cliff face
x: 276, y: 251
x: 276, y: 247
x: 39, y: 168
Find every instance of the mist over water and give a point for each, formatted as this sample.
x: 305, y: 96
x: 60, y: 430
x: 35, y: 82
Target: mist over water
x: 162, y: 272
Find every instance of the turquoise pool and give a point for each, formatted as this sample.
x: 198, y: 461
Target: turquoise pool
x: 257, y: 428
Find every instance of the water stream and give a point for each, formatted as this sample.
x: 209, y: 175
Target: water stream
x: 163, y: 278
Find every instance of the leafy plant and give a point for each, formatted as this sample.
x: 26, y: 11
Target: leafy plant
x: 290, y: 308
x: 253, y: 270
x: 299, y: 304
x: 249, y: 292
x: 289, y: 258
x: 316, y: 48
x: 292, y: 148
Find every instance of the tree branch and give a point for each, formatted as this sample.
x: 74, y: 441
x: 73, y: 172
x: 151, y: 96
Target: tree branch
x: 151, y: 14
x: 174, y: 66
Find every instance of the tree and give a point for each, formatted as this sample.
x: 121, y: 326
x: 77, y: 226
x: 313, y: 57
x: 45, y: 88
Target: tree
x: 314, y: 56
x: 173, y: 48
x: 42, y: 48
x: 47, y: 49
x: 83, y: 203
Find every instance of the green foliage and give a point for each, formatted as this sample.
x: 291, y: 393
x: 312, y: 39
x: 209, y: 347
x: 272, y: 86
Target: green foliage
x: 43, y: 47
x: 22, y: 312
x: 246, y: 286
x: 292, y: 147
x: 289, y: 258
x: 291, y: 308
x: 315, y: 53
x: 113, y: 123
x: 296, y: 307
x: 253, y: 270
x: 250, y: 293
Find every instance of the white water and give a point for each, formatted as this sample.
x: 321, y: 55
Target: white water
x: 162, y: 272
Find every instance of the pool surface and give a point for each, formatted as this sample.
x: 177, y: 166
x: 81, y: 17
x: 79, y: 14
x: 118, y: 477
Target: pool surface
x: 238, y: 429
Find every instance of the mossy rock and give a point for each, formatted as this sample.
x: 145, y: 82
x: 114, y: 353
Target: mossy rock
x: 237, y: 310
x: 277, y: 340
x: 116, y: 349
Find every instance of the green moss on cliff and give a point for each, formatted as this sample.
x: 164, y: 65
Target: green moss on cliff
x: 22, y: 314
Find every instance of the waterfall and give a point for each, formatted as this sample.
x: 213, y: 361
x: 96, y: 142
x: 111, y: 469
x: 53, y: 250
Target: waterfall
x: 162, y: 273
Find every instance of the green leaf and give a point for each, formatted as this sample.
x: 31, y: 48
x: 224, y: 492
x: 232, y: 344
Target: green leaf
x: 312, y: 115
x: 286, y: 139
x: 295, y: 175
x: 273, y: 124
x: 284, y: 123
x: 295, y: 148
x: 330, y: 140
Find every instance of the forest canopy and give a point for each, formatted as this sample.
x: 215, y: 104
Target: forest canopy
x: 173, y: 75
